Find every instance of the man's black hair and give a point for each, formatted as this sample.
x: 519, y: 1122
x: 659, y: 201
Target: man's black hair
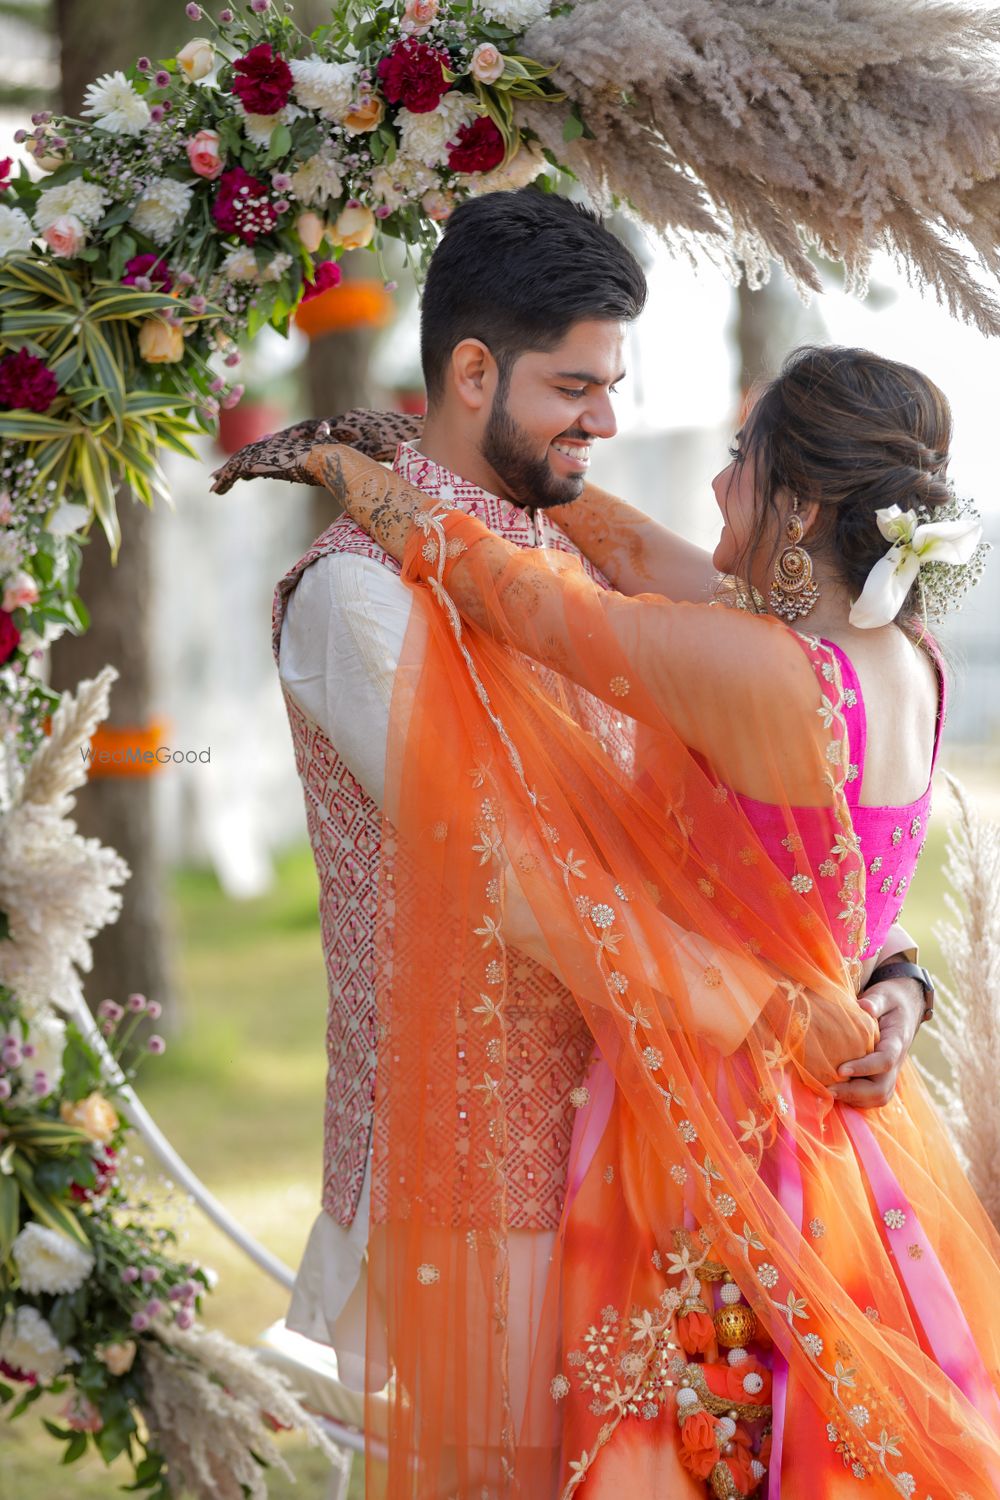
x: 516, y: 271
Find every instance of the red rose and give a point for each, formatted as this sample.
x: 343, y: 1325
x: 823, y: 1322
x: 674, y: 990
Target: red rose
x: 9, y: 636
x: 326, y: 275
x: 478, y: 148
x: 150, y: 266
x: 243, y: 206
x: 263, y: 81
x: 412, y: 75
x: 25, y: 382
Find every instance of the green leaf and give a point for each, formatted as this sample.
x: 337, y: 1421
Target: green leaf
x: 281, y: 144
x: 127, y: 302
x: 46, y: 1210
x: 152, y: 403
x: 573, y: 128
x: 43, y: 279
x: 75, y: 1448
x: 107, y: 371
x: 47, y: 1135
x: 97, y: 483
x: 46, y: 321
x: 172, y: 438
x: 28, y: 426
x: 10, y: 1211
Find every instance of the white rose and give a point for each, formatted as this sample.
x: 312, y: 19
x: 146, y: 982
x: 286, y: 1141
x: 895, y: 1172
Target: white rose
x: 425, y: 138
x: 28, y: 1344
x: 487, y: 63
x: 161, y: 209
x: 49, y: 1261
x: 16, y: 233
x: 197, y: 58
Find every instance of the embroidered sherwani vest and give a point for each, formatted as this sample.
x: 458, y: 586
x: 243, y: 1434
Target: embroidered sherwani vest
x: 344, y: 824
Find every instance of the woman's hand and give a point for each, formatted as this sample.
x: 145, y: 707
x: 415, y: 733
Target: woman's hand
x: 283, y: 455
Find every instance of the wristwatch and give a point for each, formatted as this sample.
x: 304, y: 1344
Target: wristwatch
x: 900, y: 970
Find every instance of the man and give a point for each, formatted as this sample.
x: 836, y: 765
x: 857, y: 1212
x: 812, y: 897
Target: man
x: 526, y: 308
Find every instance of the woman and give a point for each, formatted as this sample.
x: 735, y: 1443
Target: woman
x: 755, y: 1290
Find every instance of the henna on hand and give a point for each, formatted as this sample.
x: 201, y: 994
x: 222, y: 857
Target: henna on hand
x: 283, y: 454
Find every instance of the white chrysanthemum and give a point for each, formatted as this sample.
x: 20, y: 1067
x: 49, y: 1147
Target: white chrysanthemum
x: 524, y: 166
x: 317, y: 179
x: 404, y: 182
x: 49, y: 1261
x: 85, y: 200
x: 28, y: 1344
x: 277, y: 266
x: 161, y: 209
x: 115, y: 105
x: 425, y: 138
x: 260, y: 128
x: 16, y: 233
x: 517, y: 14
x: 325, y: 86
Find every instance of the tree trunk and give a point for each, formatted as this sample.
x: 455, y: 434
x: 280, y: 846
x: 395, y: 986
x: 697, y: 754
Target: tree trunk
x: 133, y: 953
x: 337, y: 378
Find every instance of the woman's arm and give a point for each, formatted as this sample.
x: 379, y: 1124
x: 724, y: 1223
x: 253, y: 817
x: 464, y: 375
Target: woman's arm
x: 636, y: 554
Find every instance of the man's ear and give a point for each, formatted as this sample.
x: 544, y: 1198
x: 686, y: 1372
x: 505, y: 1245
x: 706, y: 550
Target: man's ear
x: 474, y: 374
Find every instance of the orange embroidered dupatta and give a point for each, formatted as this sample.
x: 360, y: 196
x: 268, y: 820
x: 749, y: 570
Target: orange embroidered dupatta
x: 720, y: 991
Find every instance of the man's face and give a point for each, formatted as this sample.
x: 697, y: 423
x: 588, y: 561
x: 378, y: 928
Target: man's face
x: 541, y: 428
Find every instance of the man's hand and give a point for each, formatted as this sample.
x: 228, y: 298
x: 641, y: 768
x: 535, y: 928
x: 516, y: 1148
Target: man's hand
x: 283, y: 455
x: 898, y: 1007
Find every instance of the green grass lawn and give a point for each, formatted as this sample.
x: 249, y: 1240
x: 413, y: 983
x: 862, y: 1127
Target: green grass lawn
x: 240, y: 1094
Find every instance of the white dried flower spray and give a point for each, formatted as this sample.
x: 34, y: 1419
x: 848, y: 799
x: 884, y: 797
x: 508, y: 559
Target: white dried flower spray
x: 762, y: 129
x: 57, y: 888
x: 967, y: 1014
x: 205, y: 1399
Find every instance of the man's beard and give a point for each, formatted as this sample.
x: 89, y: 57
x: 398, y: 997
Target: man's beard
x: 528, y: 480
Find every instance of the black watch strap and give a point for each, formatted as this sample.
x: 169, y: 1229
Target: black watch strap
x: 899, y: 969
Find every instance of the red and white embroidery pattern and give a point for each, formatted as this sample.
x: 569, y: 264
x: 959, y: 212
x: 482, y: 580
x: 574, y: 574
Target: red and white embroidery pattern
x: 551, y: 1042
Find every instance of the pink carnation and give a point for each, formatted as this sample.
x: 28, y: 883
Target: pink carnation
x: 413, y: 75
x: 152, y: 268
x: 242, y: 205
x: 26, y: 383
x: 262, y: 80
x: 9, y: 636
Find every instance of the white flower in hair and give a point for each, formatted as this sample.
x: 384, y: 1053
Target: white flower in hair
x: 914, y: 544
x: 115, y: 105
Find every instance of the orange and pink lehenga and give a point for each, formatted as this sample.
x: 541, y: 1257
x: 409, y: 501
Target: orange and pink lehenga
x: 754, y: 1290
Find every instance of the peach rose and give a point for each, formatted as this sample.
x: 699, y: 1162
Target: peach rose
x: 487, y: 63
x: 93, y: 1115
x: 310, y: 229
x: 65, y: 236
x: 20, y: 593
x: 437, y: 204
x: 418, y: 16
x: 6, y: 508
x: 197, y: 58
x: 44, y: 155
x: 161, y: 343
x: 355, y: 228
x: 368, y: 115
x: 117, y: 1358
x: 203, y: 154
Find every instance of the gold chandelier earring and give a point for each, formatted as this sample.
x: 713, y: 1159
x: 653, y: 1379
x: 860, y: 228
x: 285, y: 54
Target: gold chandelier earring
x: 794, y: 591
